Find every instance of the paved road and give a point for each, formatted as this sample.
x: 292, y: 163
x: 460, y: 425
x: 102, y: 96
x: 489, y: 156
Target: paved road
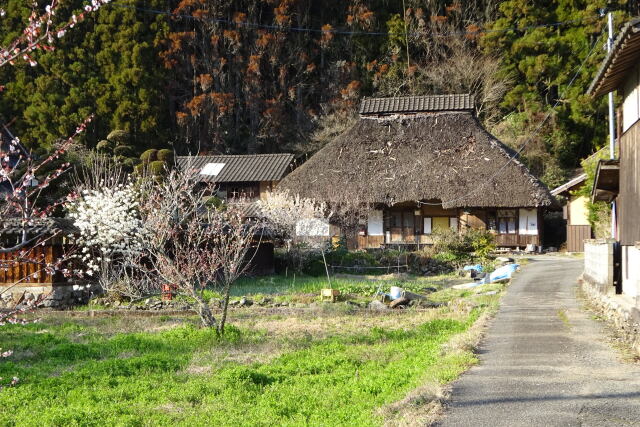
x: 545, y: 362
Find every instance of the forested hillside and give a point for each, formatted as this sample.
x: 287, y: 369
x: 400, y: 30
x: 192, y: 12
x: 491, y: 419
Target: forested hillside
x: 285, y: 75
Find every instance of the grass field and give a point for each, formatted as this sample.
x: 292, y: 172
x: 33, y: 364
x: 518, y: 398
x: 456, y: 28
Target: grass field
x: 326, y: 366
x: 352, y: 287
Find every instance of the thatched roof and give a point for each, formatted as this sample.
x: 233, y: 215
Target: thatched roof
x: 445, y: 156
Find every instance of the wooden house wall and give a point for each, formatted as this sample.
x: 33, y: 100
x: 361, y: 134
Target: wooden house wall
x: 576, y: 235
x: 629, y: 198
x: 403, y: 223
x: 266, y: 187
x: 23, y: 272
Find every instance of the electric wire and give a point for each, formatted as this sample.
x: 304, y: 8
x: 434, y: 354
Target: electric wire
x: 449, y: 34
x: 349, y: 32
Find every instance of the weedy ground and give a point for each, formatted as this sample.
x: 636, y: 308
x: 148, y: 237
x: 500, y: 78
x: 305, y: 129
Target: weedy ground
x: 331, y: 364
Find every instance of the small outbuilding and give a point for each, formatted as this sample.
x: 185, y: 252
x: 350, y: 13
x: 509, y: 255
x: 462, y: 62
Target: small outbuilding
x: 27, y: 273
x: 420, y: 163
x: 248, y: 176
x: 575, y: 212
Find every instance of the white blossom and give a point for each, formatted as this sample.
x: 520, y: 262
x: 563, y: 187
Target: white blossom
x: 109, y: 225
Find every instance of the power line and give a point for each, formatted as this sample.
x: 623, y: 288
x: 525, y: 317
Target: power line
x: 374, y: 33
x: 348, y: 32
x: 535, y: 132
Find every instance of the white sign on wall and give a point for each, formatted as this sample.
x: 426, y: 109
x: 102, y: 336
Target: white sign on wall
x: 375, y: 224
x: 426, y: 225
x: 528, y: 222
x: 313, y: 227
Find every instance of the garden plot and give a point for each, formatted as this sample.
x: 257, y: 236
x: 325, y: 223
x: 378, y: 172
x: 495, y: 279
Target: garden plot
x: 331, y: 364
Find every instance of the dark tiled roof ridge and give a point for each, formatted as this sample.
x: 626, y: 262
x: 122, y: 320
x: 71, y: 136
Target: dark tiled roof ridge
x: 235, y: 155
x: 417, y: 103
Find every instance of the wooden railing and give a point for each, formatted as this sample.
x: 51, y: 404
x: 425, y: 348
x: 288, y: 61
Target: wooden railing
x: 516, y: 240
x: 26, y: 267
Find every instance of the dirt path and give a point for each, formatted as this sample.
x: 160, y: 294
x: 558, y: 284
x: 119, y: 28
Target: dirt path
x: 545, y: 362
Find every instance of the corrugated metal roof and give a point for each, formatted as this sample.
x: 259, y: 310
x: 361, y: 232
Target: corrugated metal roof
x: 623, y: 57
x: 417, y: 104
x: 568, y: 185
x: 240, y: 168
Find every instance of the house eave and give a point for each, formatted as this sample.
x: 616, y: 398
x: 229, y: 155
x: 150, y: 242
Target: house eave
x: 623, y: 57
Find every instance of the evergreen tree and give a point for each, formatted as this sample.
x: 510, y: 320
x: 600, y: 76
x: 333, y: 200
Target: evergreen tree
x: 111, y: 69
x: 542, y: 61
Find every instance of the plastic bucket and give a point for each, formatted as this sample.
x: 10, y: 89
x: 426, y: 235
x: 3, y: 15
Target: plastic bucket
x: 395, y: 292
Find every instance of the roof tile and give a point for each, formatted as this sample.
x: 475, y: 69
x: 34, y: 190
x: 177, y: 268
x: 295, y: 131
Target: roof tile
x: 417, y: 104
x: 241, y: 168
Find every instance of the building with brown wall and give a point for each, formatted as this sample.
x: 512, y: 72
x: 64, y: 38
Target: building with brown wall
x: 420, y: 163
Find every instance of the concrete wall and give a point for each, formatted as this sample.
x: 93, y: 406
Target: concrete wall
x: 631, y: 271
x: 622, y: 311
x: 598, y: 263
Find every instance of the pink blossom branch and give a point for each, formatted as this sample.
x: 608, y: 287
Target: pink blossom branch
x: 38, y: 34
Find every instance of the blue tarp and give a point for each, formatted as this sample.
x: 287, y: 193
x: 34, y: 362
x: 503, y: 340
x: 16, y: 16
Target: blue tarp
x: 503, y: 272
x: 476, y: 267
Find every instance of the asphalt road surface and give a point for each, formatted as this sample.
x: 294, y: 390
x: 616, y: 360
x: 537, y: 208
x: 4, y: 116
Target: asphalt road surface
x: 545, y: 361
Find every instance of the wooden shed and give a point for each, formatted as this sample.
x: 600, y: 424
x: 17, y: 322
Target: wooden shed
x: 248, y: 176
x: 575, y: 212
x: 26, y: 269
x: 420, y: 163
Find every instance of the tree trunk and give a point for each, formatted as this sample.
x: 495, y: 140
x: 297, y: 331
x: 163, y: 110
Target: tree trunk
x: 225, y: 306
x: 204, y: 311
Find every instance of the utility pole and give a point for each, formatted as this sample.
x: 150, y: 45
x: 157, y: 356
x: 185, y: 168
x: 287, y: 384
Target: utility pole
x: 612, y: 128
x: 406, y: 39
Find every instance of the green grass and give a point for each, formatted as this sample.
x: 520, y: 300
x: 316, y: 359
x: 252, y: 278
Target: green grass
x: 316, y: 367
x: 275, y: 285
x: 72, y: 374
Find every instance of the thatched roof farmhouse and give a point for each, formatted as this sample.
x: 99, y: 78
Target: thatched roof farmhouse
x: 425, y: 161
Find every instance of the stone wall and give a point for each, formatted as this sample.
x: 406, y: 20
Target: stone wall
x: 598, y: 263
x: 621, y: 311
x: 57, y: 296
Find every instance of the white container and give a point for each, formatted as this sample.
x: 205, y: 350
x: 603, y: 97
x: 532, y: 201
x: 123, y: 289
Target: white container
x: 395, y: 292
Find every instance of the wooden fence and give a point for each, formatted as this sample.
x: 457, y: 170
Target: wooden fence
x: 25, y: 266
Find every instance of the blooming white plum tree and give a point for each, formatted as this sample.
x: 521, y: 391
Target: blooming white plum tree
x: 109, y: 224
x: 286, y: 213
x: 41, y: 32
x: 302, y: 223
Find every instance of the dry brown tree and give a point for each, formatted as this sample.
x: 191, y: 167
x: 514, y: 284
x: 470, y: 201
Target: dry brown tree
x: 192, y: 245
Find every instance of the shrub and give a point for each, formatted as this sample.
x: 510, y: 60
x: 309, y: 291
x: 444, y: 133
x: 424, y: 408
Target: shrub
x: 165, y: 155
x: 157, y: 167
x: 104, y: 146
x: 462, y: 245
x: 124, y: 151
x: 130, y: 163
x: 482, y: 242
x: 119, y: 137
x: 149, y: 156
